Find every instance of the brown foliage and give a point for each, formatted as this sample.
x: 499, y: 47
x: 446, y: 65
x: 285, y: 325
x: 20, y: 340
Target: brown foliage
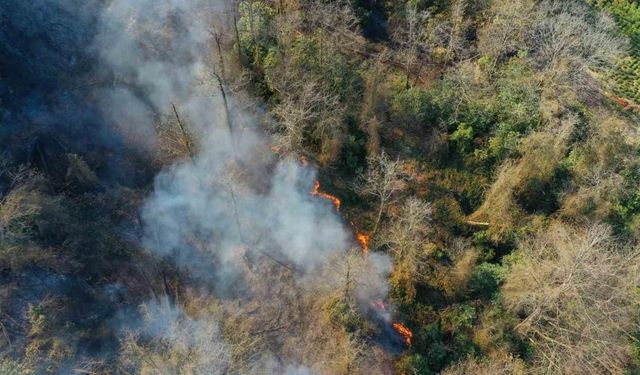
x: 575, y: 289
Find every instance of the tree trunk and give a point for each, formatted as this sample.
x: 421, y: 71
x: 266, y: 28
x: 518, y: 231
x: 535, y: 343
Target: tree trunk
x: 186, y: 138
x: 227, y: 112
x: 238, y: 45
x: 375, y: 227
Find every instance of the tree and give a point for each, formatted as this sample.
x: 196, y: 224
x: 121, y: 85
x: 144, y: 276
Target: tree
x: 306, y: 113
x: 337, y: 25
x: 411, y: 39
x: 407, y: 238
x: 566, y: 34
x: 383, y: 178
x: 447, y: 34
x: 563, y: 38
x: 455, y: 42
x: 575, y: 290
x: 174, y: 138
x: 506, y: 32
x: 170, y: 342
x: 19, y: 208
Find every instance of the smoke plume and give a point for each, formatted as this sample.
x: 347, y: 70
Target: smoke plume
x: 221, y: 214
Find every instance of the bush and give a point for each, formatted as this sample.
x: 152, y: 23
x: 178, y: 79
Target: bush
x: 486, y: 280
x: 412, y: 108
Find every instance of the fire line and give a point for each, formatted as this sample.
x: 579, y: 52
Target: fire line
x: 363, y: 239
x: 317, y: 193
x: 404, y: 332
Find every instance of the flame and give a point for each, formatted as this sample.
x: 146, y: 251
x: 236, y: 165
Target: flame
x: 378, y: 304
x: 317, y: 193
x: 276, y: 149
x: 404, y: 332
x: 622, y: 102
x: 363, y: 239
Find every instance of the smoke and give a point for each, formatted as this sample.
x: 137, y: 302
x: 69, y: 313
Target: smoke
x: 222, y: 216
x: 193, y: 344
x: 233, y: 201
x: 233, y: 208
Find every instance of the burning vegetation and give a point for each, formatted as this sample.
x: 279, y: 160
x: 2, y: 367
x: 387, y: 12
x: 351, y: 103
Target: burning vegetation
x: 404, y: 332
x: 317, y: 193
x: 363, y: 240
x: 145, y: 228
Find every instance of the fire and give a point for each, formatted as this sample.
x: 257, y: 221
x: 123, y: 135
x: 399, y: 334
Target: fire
x: 378, y: 304
x: 404, y: 332
x: 622, y: 102
x: 363, y: 239
x: 317, y: 193
x: 278, y: 151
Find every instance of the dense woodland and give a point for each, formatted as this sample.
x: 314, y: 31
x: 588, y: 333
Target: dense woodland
x: 320, y: 187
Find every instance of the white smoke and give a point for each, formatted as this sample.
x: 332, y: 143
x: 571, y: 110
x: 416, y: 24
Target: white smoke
x: 233, y: 206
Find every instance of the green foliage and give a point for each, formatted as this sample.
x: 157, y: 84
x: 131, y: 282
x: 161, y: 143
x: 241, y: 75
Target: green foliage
x: 430, y: 341
x: 503, y: 144
x: 486, y: 124
x: 452, y: 134
x: 413, y: 108
x: 458, y: 318
x: 625, y: 214
x: 463, y: 137
x: 516, y: 106
x: 308, y: 58
x: 626, y: 76
x: 254, y: 28
x: 417, y: 363
x: 344, y: 315
x: 486, y: 280
x: 517, y: 100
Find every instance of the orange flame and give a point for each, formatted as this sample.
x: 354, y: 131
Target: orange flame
x: 404, y: 332
x: 363, y: 239
x: 317, y: 193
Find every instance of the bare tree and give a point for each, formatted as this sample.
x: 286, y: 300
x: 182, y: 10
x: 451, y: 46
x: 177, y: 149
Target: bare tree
x: 175, y: 140
x: 446, y: 33
x: 409, y: 228
x: 576, y: 289
x: 562, y: 37
x: 383, y: 178
x: 374, y: 101
x: 306, y: 113
x: 411, y: 39
x: 170, y: 342
x: 455, y: 36
x: 407, y: 237
x: 507, y: 31
x: 566, y: 34
x: 337, y: 25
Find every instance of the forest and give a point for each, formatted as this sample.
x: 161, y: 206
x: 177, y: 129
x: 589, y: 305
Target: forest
x: 311, y: 187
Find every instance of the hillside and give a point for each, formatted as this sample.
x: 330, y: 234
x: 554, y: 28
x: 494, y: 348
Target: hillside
x: 308, y: 187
